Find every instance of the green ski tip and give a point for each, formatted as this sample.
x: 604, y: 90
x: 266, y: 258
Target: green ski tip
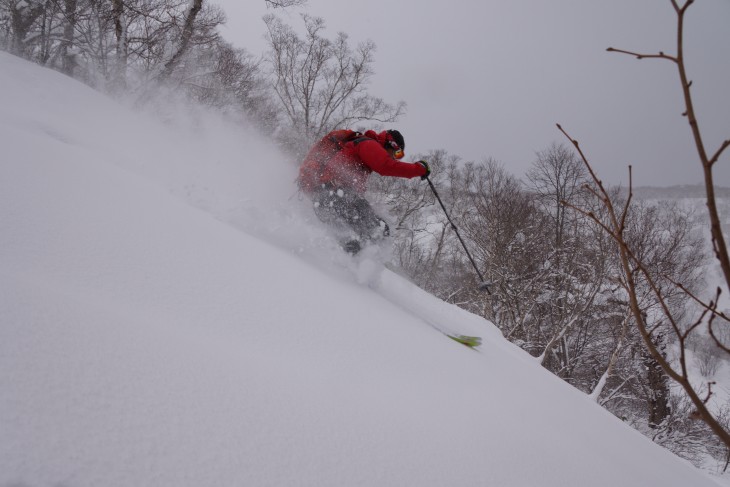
x: 470, y: 342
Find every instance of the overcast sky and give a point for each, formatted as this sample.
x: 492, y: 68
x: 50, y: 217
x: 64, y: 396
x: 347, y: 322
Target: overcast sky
x: 484, y: 78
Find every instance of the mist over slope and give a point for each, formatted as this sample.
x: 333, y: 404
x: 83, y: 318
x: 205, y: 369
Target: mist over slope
x: 171, y: 315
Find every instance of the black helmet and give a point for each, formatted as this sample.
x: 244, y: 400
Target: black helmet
x: 397, y: 138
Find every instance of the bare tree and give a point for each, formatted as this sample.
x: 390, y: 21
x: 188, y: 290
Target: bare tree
x: 637, y: 273
x: 104, y: 43
x: 640, y: 280
x: 321, y: 84
x: 576, y: 276
x: 506, y: 230
x: 557, y: 175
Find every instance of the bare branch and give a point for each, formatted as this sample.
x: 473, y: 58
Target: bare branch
x: 637, y: 55
x: 625, y: 211
x: 717, y: 154
x: 717, y: 341
x: 593, y: 217
x: 710, y: 307
x: 593, y: 174
x: 709, y: 391
x: 682, y: 9
x: 697, y: 323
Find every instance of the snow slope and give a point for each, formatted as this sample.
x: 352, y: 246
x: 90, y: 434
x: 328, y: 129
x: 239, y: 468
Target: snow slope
x: 169, y: 317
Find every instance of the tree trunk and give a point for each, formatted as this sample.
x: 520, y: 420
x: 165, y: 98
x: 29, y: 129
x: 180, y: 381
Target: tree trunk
x: 187, y: 34
x: 68, y: 61
x: 598, y: 390
x: 21, y: 19
x: 658, y: 386
x: 119, y: 71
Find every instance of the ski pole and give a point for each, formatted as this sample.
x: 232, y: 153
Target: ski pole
x: 482, y: 284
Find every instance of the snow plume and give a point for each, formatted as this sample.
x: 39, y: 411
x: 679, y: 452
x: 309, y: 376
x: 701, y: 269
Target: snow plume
x: 170, y: 317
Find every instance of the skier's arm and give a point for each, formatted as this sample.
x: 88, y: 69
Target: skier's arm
x: 377, y: 158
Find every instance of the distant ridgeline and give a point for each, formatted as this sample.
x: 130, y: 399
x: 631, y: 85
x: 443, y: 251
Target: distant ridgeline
x: 678, y: 192
x: 691, y: 197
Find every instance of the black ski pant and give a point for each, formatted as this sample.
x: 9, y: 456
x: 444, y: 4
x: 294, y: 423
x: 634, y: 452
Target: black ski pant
x: 346, y: 209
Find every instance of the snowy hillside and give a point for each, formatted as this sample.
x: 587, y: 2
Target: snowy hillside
x: 170, y: 316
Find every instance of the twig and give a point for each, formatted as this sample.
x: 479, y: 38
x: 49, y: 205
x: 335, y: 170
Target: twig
x: 717, y: 154
x: 637, y: 55
x: 697, y: 323
x: 592, y: 216
x: 709, y: 391
x: 712, y: 334
x: 625, y: 211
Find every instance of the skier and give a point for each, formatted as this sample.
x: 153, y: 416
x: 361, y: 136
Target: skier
x: 334, y: 176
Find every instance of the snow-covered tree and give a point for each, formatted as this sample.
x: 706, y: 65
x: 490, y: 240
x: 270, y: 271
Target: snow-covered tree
x: 320, y: 83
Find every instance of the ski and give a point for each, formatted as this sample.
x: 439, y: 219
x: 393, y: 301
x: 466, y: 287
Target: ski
x: 469, y: 341
x: 407, y: 295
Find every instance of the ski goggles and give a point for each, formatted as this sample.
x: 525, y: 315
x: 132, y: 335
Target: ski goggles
x: 398, y: 153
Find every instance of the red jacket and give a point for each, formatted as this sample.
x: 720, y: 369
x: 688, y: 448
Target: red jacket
x: 351, y: 167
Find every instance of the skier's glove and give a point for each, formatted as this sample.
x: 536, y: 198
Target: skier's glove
x: 425, y: 166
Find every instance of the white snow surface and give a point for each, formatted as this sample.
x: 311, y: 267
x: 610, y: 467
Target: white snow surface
x: 171, y: 316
